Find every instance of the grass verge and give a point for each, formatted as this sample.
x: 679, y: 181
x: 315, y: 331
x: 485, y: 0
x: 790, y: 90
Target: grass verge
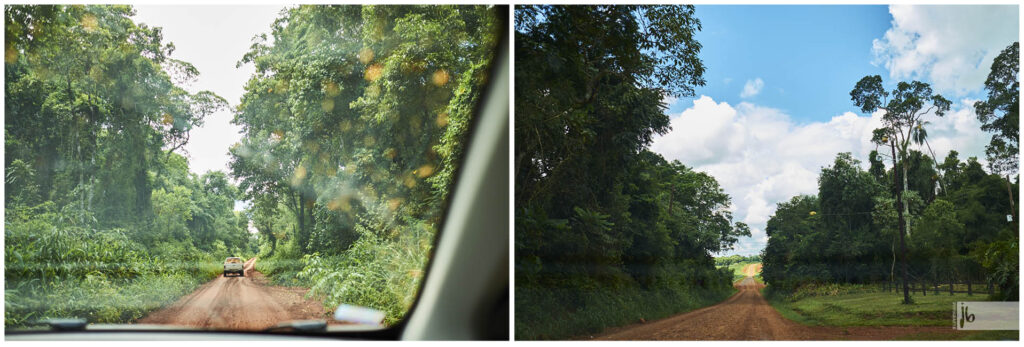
x: 541, y: 315
x: 857, y: 305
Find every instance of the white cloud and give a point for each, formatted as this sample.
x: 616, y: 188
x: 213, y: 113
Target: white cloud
x: 761, y: 157
x: 213, y: 38
x: 752, y: 88
x: 952, y: 47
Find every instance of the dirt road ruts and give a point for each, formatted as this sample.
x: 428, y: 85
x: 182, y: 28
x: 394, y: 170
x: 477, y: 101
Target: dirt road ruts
x: 239, y: 303
x: 747, y: 316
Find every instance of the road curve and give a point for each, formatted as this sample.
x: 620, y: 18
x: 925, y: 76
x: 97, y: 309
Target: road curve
x: 238, y: 303
x: 747, y: 316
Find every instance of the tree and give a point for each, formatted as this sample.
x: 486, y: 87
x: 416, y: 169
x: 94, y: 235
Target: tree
x: 846, y: 197
x: 940, y: 237
x: 93, y: 101
x: 362, y: 128
x: 1001, y: 114
x: 903, y: 114
x: 792, y: 255
x: 589, y: 85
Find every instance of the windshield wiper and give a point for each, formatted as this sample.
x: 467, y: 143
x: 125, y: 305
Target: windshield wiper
x: 65, y: 324
x: 305, y: 326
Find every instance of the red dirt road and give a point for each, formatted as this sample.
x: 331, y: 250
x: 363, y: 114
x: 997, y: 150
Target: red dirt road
x: 747, y: 316
x: 752, y: 270
x: 239, y: 303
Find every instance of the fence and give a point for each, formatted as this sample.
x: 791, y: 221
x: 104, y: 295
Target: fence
x: 924, y: 287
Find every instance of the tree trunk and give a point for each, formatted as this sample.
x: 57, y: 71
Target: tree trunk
x: 302, y: 223
x: 970, y: 292
x: 902, y: 225
x: 906, y: 207
x: 951, y: 281
x: 1009, y: 190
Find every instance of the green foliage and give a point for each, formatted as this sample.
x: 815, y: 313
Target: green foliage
x: 354, y: 126
x: 103, y: 217
x: 544, y: 313
x: 608, y: 232
x: 811, y: 244
x: 59, y: 270
x: 379, y: 273
x: 736, y: 258
x: 956, y: 233
x: 1000, y: 113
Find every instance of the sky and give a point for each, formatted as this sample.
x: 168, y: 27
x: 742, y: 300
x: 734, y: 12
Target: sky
x: 776, y: 105
x: 214, y: 39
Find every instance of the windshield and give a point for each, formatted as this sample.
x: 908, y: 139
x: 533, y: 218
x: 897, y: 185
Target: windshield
x: 315, y: 145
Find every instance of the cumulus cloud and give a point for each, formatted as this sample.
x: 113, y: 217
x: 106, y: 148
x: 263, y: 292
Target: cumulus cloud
x: 950, y: 46
x: 761, y: 157
x: 752, y: 88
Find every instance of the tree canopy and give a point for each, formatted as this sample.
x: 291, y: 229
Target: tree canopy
x: 600, y: 220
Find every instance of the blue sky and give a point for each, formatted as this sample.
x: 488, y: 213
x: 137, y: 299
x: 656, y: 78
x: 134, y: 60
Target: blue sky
x: 776, y: 107
x: 808, y: 57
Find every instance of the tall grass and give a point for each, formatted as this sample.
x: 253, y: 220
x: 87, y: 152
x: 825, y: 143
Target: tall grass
x: 55, y: 269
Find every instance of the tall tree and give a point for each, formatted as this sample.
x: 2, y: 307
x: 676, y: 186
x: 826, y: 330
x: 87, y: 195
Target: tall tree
x: 1000, y: 114
x: 904, y: 113
x: 355, y: 116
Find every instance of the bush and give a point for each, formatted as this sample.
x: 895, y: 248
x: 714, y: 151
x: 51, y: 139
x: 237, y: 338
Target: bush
x: 582, y: 306
x: 382, y: 272
x: 56, y: 269
x: 375, y: 272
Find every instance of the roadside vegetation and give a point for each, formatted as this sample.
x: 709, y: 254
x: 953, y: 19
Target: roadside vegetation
x: 103, y: 219
x: 869, y: 305
x: 608, y: 233
x: 353, y: 126
x: 864, y: 305
x: 921, y: 232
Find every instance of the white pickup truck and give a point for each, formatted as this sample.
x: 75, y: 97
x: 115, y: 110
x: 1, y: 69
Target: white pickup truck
x: 234, y: 265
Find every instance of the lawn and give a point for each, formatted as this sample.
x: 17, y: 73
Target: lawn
x: 860, y: 306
